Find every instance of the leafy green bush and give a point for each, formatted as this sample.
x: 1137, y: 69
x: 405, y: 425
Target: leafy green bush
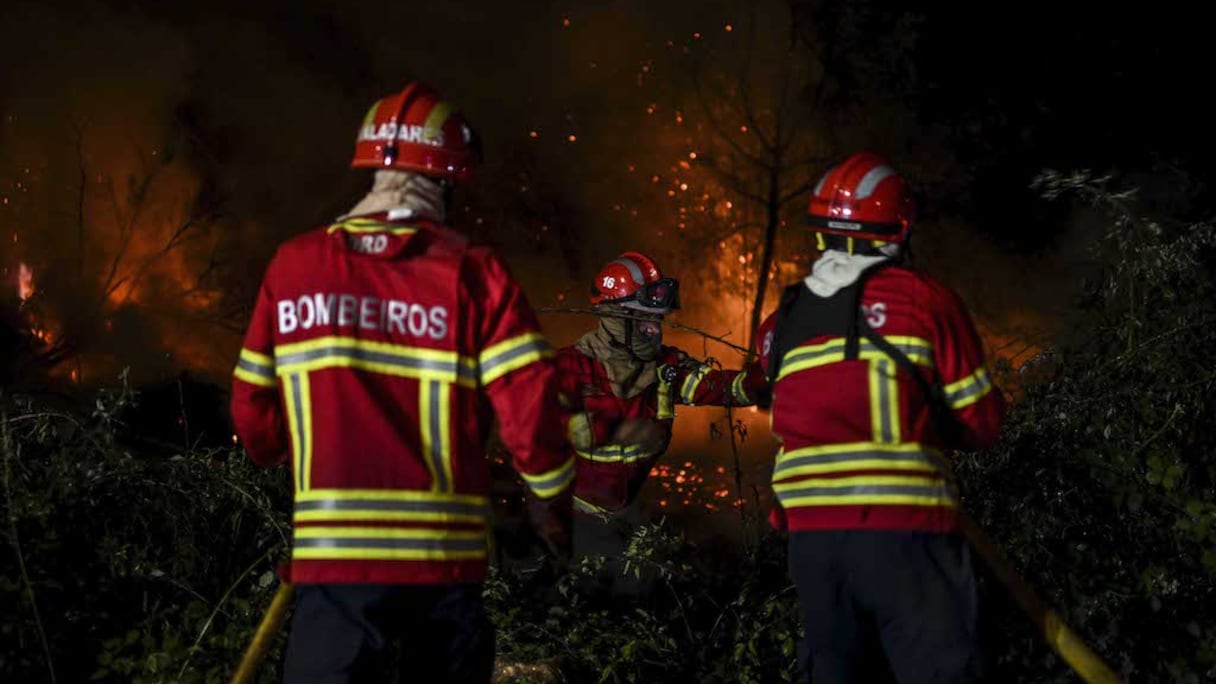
x: 1102, y: 490
x: 144, y: 564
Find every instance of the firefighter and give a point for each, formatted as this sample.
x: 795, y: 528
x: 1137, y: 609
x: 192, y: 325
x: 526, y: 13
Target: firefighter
x: 380, y: 349
x: 878, y: 374
x: 621, y: 385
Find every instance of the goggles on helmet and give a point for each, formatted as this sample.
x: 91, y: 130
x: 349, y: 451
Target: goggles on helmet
x: 661, y: 294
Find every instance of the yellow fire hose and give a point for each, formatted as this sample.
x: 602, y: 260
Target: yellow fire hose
x: 1051, y: 626
x: 1058, y: 635
x: 264, y: 637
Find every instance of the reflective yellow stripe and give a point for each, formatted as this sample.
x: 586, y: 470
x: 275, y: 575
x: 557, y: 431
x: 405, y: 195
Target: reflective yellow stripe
x: 255, y: 368
x: 381, y: 543
x: 867, y: 490
x: 738, y: 393
x: 667, y: 403
x: 253, y: 379
x: 688, y: 391
x: 502, y: 358
x: 884, y: 401
x: 918, y: 350
x: 390, y: 506
x: 371, y: 115
x: 391, y: 495
x: 432, y: 129
x: 385, y: 554
x: 361, y: 225
x: 590, y: 508
x: 377, y: 357
x: 257, y: 358
x: 333, y: 532
x: 969, y: 390
x: 616, y: 453
x: 840, y: 458
x: 299, y: 420
x: 434, y: 419
x: 549, y: 484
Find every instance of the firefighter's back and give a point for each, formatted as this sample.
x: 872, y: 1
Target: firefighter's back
x: 373, y: 347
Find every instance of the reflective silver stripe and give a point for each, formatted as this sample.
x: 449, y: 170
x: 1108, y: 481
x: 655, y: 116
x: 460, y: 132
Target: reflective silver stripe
x: 389, y: 543
x: 634, y: 271
x: 980, y: 385
x: 388, y: 359
x: 556, y: 481
x: 530, y: 347
x: 297, y: 405
x: 927, y: 457
x: 256, y: 368
x: 796, y: 355
x: 688, y: 393
x: 934, y: 491
x: 885, y: 419
x: 871, y: 180
x: 437, y: 436
x: 616, y: 452
x: 738, y: 392
x: 456, y: 507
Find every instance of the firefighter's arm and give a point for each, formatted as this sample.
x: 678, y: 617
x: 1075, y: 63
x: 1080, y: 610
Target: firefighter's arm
x: 518, y: 376
x: 257, y: 409
x: 977, y: 405
x: 696, y: 383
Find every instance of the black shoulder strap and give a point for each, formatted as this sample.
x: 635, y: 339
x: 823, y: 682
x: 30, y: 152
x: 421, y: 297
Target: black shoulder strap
x: 789, y: 297
x: 856, y: 327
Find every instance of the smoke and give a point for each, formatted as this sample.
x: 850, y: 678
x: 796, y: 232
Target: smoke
x: 238, y: 120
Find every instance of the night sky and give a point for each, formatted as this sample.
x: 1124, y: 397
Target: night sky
x: 153, y: 154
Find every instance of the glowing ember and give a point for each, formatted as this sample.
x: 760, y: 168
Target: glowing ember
x: 25, y: 280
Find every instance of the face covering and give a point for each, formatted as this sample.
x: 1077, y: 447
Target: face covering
x: 626, y: 352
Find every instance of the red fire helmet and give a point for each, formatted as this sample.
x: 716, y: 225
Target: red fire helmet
x: 417, y: 130
x: 864, y: 198
x: 634, y: 280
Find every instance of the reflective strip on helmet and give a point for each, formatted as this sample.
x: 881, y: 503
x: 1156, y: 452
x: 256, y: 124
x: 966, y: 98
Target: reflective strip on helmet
x: 617, y: 453
x: 857, y: 456
x: 969, y: 390
x: 386, y: 543
x: 868, y: 490
x: 918, y: 350
x: 822, y: 180
x: 377, y: 357
x: 892, y: 229
x: 432, y: 129
x: 255, y: 369
x: 692, y: 382
x: 870, y: 181
x: 549, y: 484
x: 390, y: 505
x: 635, y: 271
x: 502, y: 358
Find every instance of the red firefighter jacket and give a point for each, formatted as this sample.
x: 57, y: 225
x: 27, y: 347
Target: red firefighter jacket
x: 610, y: 475
x: 377, y: 355
x: 860, y: 449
